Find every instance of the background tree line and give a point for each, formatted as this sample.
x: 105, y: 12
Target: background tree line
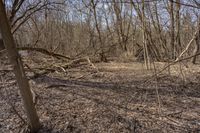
x: 133, y: 29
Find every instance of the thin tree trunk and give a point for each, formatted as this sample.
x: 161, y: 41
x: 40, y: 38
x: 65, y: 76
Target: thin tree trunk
x: 145, y: 47
x: 120, y: 28
x: 2, y: 47
x: 157, y: 26
x: 178, y: 37
x: 197, y: 44
x: 172, y: 28
x: 102, y: 53
x: 18, y: 70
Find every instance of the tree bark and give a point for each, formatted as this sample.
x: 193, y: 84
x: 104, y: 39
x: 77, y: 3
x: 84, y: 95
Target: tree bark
x: 18, y: 70
x: 172, y: 29
x: 2, y: 47
x: 102, y: 53
x: 145, y: 47
x: 197, y: 44
x: 178, y: 24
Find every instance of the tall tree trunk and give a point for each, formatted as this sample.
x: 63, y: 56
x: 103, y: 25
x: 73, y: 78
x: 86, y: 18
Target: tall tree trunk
x: 178, y: 37
x: 102, y: 53
x: 18, y: 70
x: 158, y: 29
x: 197, y: 43
x: 2, y: 47
x: 122, y: 38
x: 145, y: 47
x: 172, y: 29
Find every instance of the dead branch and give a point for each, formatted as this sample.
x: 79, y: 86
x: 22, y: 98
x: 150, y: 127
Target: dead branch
x: 187, y: 47
x: 56, y: 67
x: 170, y: 64
x: 44, y: 51
x: 84, y: 60
x: 62, y: 66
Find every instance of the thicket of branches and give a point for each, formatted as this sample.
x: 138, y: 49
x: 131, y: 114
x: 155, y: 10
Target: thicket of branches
x: 145, y: 29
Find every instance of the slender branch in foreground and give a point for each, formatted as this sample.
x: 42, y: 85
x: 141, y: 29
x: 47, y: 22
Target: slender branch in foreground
x: 187, y: 47
x: 172, y: 63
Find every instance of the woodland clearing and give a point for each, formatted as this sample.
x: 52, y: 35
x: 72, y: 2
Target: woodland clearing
x: 104, y: 97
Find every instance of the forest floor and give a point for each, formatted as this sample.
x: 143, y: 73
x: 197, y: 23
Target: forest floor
x: 108, y: 98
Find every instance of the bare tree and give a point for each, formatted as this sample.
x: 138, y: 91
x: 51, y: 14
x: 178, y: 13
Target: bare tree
x: 197, y: 43
x: 102, y: 52
x: 172, y: 28
x: 178, y: 24
x: 18, y: 70
x: 145, y: 46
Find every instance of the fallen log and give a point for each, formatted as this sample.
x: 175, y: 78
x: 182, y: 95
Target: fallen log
x: 44, y: 51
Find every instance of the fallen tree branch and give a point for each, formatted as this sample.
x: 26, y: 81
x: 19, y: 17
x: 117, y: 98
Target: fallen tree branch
x: 61, y: 67
x: 44, y: 51
x: 78, y: 61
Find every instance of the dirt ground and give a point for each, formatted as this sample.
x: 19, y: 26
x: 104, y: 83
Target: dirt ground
x: 108, y: 98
